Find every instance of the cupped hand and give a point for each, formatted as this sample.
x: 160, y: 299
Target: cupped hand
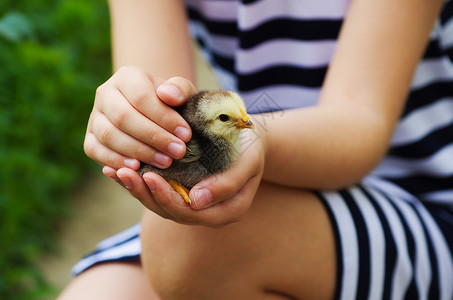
x: 216, y: 201
x: 133, y: 120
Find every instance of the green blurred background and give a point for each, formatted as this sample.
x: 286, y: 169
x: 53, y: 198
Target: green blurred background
x: 53, y: 55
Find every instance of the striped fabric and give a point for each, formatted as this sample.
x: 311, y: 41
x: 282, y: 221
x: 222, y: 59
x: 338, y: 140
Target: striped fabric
x: 268, y: 46
x: 388, y: 248
x: 394, y: 230
x: 421, y: 156
x: 121, y: 247
x: 276, y: 53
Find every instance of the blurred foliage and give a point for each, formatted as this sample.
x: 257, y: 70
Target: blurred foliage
x: 53, y: 54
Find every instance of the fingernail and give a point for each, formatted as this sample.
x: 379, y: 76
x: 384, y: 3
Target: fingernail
x: 150, y: 183
x: 201, y: 198
x: 109, y: 171
x: 132, y: 163
x: 175, y: 149
x: 162, y: 159
x: 171, y: 90
x: 183, y: 133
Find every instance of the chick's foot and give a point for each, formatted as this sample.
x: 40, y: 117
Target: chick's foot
x: 180, y: 190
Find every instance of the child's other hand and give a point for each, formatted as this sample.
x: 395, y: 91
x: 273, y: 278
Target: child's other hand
x: 132, y: 120
x: 225, y: 199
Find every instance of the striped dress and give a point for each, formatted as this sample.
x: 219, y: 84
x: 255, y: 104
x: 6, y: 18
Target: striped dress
x: 394, y: 230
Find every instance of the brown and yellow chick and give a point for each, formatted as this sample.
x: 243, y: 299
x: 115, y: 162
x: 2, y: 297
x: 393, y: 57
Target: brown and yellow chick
x: 216, y: 119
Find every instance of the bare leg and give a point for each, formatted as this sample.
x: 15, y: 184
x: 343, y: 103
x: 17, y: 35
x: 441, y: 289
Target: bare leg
x: 112, y: 281
x: 284, y: 248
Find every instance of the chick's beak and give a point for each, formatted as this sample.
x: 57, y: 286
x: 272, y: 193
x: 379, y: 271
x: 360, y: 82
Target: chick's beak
x: 245, y: 122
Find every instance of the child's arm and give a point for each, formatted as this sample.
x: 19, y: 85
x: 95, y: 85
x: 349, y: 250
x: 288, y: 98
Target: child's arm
x: 129, y: 120
x: 153, y: 35
x: 338, y: 142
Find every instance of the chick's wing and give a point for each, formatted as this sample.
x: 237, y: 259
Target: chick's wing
x: 193, y: 152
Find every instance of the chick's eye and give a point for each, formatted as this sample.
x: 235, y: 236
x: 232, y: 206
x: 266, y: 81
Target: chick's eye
x: 224, y: 118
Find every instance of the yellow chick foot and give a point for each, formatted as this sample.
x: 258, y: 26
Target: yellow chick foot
x: 180, y: 190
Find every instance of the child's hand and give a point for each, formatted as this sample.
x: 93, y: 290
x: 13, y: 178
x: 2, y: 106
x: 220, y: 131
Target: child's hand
x: 216, y: 201
x: 132, y: 120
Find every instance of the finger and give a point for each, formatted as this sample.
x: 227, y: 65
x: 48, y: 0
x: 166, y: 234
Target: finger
x: 225, y: 185
x: 102, y: 154
x: 126, y: 118
x: 175, y: 91
x: 139, y: 190
x: 139, y: 88
x: 111, y: 173
x: 218, y: 188
x: 175, y: 205
x: 131, y: 163
x: 169, y: 199
x: 229, y: 211
x: 120, y: 142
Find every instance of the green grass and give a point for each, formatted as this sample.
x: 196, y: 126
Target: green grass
x: 53, y: 55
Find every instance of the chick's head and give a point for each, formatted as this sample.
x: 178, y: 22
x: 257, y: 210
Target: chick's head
x: 224, y: 114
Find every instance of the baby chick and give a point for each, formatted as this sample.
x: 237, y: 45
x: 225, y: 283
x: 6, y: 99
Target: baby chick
x: 216, y: 119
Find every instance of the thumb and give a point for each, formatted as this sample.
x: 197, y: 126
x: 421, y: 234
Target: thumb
x: 175, y: 91
x: 217, y: 188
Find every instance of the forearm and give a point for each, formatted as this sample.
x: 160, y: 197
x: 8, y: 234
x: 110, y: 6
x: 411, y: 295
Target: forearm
x: 339, y: 141
x: 151, y: 34
x: 323, y: 147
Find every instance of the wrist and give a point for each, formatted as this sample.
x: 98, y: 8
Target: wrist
x: 259, y: 135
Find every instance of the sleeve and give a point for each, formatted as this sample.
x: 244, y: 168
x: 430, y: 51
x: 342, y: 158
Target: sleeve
x: 446, y: 23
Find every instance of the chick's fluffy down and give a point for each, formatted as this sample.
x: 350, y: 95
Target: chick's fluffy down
x: 216, y: 119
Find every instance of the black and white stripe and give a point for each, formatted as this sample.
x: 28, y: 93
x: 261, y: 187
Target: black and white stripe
x: 389, y: 248
x: 124, y: 246
x: 421, y: 155
x: 240, y: 41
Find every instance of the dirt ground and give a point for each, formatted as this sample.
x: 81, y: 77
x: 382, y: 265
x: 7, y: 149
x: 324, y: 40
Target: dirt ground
x: 101, y: 208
